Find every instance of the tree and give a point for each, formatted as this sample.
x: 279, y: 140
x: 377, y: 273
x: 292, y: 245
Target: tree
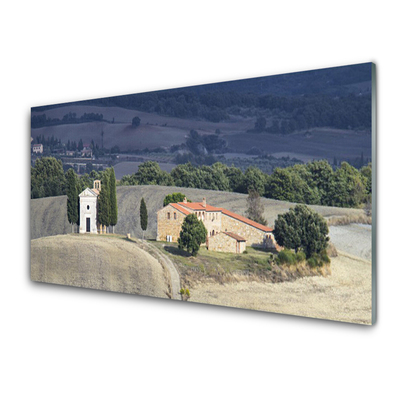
x: 254, y: 179
x: 279, y: 185
x: 143, y: 216
x: 236, y: 179
x: 260, y: 124
x: 174, y: 198
x: 113, y: 199
x: 193, y: 234
x: 348, y: 187
x: 302, y: 228
x: 103, y: 216
x: 47, y: 178
x: 73, y: 199
x: 149, y: 173
x: 255, y: 209
x: 135, y: 122
x: 321, y: 177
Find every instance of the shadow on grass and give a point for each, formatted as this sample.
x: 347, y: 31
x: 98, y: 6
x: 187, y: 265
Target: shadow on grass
x: 263, y: 250
x: 129, y: 240
x: 176, y: 251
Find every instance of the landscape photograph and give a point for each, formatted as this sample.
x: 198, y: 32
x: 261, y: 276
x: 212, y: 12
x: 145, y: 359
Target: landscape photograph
x: 255, y: 194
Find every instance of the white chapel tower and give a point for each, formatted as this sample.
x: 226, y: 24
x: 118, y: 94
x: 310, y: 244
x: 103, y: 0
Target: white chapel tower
x: 88, y: 208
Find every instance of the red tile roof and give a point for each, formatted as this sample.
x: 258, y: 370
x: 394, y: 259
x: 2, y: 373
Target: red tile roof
x: 246, y: 220
x: 237, y: 237
x: 200, y: 207
x: 179, y: 208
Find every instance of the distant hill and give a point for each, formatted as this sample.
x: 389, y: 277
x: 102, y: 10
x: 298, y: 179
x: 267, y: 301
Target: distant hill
x: 49, y: 215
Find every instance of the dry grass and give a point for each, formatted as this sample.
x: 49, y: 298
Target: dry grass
x: 354, y: 218
x: 255, y: 265
x: 109, y: 263
x: 345, y: 295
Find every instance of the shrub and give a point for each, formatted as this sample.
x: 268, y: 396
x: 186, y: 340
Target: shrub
x: 300, y: 256
x: 286, y: 257
x: 312, y: 262
x: 324, y: 257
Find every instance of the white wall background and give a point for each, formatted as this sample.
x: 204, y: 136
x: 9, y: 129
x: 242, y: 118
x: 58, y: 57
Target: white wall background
x: 64, y: 343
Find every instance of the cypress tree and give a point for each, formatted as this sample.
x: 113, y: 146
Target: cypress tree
x: 104, y: 201
x: 73, y: 199
x: 143, y: 216
x: 113, y: 199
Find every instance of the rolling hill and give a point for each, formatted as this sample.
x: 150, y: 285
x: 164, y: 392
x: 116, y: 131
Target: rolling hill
x: 163, y: 131
x: 97, y: 262
x: 49, y: 215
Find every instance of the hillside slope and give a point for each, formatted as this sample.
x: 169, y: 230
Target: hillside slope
x: 49, y: 215
x: 98, y: 262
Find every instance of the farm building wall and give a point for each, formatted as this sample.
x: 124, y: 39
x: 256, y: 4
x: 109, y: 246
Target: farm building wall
x: 254, y: 237
x: 212, y: 222
x: 169, y: 226
x: 225, y: 243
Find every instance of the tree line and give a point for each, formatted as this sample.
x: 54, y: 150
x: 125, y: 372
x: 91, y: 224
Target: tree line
x: 39, y: 121
x: 291, y: 112
x: 48, y: 178
x: 312, y: 183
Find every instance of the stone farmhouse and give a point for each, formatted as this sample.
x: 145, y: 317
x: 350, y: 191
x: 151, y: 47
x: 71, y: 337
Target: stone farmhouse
x: 37, y: 148
x: 226, y: 231
x: 88, y: 209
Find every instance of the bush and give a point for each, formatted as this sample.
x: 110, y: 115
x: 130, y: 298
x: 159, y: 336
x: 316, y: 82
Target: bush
x: 286, y: 257
x: 324, y: 257
x: 318, y: 260
x: 312, y: 262
x: 300, y: 256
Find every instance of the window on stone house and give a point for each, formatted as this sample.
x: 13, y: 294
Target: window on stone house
x: 174, y: 215
x: 169, y: 215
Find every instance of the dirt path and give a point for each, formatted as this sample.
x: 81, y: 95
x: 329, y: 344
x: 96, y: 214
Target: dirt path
x: 167, y: 263
x: 343, y: 296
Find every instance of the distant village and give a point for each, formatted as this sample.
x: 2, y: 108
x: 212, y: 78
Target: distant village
x: 83, y: 157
